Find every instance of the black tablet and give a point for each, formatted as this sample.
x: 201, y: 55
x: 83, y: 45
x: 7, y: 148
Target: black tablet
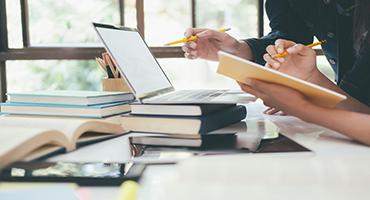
x: 84, y: 174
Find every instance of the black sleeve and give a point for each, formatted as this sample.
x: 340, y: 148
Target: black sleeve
x: 285, y: 24
x: 356, y: 82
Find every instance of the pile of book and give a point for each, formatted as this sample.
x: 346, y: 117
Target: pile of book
x: 70, y: 119
x: 82, y: 104
x: 182, y: 125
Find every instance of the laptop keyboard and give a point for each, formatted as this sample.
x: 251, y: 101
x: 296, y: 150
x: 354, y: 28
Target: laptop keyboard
x: 189, y: 95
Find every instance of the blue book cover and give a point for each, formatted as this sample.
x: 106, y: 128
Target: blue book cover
x: 56, y: 113
x: 98, y: 106
x: 68, y: 93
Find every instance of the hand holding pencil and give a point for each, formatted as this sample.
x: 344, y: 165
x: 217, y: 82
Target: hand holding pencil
x: 205, y: 43
x: 294, y: 59
x: 194, y: 37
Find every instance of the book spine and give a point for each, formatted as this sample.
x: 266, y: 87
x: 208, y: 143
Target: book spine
x: 222, y: 119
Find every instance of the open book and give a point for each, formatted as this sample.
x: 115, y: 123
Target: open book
x: 25, y: 138
x: 242, y: 70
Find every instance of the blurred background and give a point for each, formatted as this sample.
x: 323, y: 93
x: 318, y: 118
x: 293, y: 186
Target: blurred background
x: 67, y: 23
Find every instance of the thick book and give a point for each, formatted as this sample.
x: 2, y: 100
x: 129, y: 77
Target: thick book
x: 70, y: 97
x: 185, y: 125
x: 241, y: 70
x: 176, y: 110
x: 183, y: 141
x: 40, y: 109
x: 32, y: 137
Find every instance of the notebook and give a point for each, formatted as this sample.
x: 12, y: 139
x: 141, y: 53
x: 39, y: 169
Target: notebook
x: 241, y: 70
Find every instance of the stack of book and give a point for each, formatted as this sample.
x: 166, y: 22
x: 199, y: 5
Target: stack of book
x: 182, y: 125
x: 83, y: 104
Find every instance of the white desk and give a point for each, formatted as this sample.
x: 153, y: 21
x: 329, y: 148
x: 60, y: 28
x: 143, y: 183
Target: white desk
x: 321, y: 141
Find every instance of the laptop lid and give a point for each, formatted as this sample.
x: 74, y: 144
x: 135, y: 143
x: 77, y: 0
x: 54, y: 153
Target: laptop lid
x: 134, y: 60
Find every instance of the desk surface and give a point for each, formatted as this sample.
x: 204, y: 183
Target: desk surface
x: 321, y: 141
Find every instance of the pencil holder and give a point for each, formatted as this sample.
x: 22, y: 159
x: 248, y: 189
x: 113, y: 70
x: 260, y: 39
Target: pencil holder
x: 115, y: 85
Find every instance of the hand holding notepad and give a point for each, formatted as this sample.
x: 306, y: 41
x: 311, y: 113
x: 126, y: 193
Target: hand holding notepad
x: 242, y: 70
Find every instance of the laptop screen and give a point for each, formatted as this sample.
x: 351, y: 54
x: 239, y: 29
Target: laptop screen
x: 134, y: 59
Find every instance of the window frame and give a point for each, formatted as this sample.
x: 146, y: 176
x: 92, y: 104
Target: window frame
x: 29, y: 52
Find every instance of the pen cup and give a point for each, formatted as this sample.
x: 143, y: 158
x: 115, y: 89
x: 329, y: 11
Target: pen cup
x: 115, y: 85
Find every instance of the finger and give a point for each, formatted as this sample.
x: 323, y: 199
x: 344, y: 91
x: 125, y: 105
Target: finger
x: 281, y: 45
x: 211, y: 34
x: 262, y: 85
x: 248, y: 89
x: 272, y: 62
x: 190, y: 51
x: 267, y: 110
x: 189, y: 56
x: 186, y: 49
x: 192, y: 44
x: 268, y: 65
x: 193, y: 31
x: 301, y: 50
x: 271, y: 50
x: 272, y: 111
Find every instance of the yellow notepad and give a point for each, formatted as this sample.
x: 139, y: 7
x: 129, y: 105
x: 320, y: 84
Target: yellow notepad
x: 241, y: 70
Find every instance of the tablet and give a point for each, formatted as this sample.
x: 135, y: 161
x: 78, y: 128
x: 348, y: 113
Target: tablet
x: 83, y: 174
x: 241, y: 70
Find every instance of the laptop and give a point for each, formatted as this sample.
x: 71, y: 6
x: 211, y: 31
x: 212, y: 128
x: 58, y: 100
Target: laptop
x: 145, y: 76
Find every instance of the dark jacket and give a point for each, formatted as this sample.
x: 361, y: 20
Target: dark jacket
x: 331, y: 20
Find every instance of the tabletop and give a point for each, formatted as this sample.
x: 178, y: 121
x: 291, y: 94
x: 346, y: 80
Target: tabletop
x: 321, y: 141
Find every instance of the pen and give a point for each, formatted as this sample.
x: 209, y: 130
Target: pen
x: 192, y: 38
x: 286, y: 53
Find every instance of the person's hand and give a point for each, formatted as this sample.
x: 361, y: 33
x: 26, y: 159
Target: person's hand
x: 273, y: 111
x: 277, y: 96
x: 209, y: 43
x: 300, y: 62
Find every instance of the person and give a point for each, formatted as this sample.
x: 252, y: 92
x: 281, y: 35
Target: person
x: 353, y: 124
x: 300, y: 21
x: 352, y: 121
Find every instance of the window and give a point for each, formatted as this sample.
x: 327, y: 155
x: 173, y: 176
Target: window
x: 47, y: 44
x: 68, y: 21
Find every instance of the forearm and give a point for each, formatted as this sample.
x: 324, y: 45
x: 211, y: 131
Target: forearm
x: 351, y: 124
x: 350, y: 104
x: 243, y: 50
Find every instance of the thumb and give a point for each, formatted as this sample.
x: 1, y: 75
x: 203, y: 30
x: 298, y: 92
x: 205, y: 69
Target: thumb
x: 193, y: 31
x: 281, y: 45
x: 301, y: 50
x: 211, y: 34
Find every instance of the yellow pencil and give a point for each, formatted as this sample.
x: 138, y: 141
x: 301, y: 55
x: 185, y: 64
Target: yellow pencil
x: 192, y: 38
x: 286, y: 53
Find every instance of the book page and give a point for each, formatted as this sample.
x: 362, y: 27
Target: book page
x: 72, y: 128
x: 17, y: 142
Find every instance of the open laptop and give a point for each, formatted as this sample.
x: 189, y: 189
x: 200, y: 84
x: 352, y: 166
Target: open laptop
x: 145, y: 76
